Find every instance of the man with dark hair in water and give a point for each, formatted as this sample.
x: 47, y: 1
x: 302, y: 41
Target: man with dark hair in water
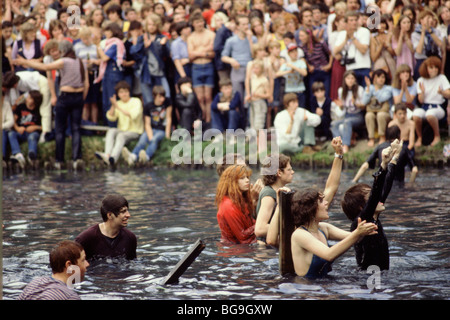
x: 110, y: 238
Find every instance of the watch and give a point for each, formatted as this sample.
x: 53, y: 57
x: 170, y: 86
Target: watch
x: 340, y: 156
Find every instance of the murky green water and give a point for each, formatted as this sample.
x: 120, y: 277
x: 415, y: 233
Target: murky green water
x: 172, y: 209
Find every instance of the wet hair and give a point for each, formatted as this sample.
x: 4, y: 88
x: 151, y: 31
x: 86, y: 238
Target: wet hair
x: 112, y: 203
x: 431, y: 61
x: 228, y: 186
x: 281, y: 160
x: 354, y: 200
x: 65, y: 251
x: 304, y: 205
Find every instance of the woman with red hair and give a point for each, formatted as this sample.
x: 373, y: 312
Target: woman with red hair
x: 235, y: 205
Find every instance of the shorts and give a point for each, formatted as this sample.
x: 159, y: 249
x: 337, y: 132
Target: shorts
x: 203, y: 75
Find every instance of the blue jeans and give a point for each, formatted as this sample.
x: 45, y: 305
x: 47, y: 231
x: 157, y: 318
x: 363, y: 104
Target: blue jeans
x: 301, y: 96
x: 361, y: 74
x: 350, y: 122
x: 227, y: 120
x: 112, y: 76
x: 68, y: 106
x: 147, y: 88
x: 153, y: 144
x: 16, y: 138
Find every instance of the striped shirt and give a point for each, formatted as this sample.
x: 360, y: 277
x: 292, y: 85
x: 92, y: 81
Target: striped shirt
x: 48, y: 288
x: 318, y: 56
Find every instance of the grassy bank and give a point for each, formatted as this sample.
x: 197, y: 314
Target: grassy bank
x: 426, y: 156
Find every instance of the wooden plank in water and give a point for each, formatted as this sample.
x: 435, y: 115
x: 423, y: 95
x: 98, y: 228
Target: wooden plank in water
x: 286, y: 263
x: 184, y: 263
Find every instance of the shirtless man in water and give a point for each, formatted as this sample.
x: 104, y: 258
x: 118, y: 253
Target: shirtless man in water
x: 201, y: 52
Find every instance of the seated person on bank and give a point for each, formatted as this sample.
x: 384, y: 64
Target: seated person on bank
x: 295, y: 126
x: 127, y: 111
x: 405, y: 158
x: 110, y: 238
x: 27, y: 127
x: 361, y: 202
x: 157, y: 125
x: 225, y: 107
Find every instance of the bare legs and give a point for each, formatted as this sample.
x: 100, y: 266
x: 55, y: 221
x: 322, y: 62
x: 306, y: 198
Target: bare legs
x: 204, y: 96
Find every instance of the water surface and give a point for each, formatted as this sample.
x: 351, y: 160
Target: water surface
x: 171, y: 209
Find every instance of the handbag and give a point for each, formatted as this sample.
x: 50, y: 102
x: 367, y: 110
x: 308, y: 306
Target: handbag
x: 375, y: 106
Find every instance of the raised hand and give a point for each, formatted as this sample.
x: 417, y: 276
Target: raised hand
x: 396, y: 147
x: 336, y: 143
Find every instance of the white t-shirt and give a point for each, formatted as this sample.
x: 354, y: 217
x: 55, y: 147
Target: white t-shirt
x: 431, y: 89
x: 283, y: 119
x: 361, y: 60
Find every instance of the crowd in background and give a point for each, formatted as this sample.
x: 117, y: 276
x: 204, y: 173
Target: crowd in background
x: 221, y: 64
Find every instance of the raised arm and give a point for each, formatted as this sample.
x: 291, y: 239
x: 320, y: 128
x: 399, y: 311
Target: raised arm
x: 333, y: 180
x: 302, y: 239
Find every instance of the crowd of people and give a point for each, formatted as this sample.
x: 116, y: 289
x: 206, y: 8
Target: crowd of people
x: 145, y: 67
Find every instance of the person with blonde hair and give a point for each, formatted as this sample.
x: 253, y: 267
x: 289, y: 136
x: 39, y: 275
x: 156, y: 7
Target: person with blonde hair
x: 87, y: 51
x: 149, y: 51
x: 235, y: 205
x: 27, y: 47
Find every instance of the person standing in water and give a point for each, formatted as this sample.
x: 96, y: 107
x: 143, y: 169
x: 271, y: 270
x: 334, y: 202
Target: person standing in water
x: 110, y: 238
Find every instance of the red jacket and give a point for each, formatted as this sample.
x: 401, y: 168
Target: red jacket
x: 236, y: 227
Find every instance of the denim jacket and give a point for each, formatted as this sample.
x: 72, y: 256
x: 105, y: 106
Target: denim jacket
x: 140, y: 54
